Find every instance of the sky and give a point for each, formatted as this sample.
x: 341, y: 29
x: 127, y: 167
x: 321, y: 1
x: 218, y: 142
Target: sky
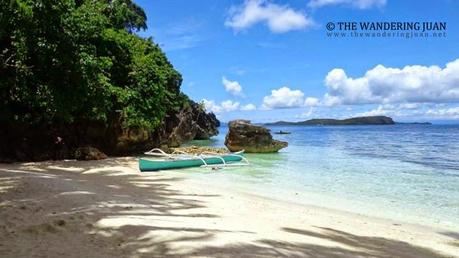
x: 270, y: 60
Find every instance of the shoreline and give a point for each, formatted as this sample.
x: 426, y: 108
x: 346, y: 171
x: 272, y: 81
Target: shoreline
x: 104, y: 208
x: 348, y: 212
x: 318, y: 207
x: 345, y: 220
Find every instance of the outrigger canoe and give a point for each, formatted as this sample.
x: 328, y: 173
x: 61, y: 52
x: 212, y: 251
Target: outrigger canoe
x: 184, y: 160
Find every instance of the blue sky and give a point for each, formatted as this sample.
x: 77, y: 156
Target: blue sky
x: 269, y: 60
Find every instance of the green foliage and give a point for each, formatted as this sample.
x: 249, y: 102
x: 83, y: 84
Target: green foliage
x: 124, y: 14
x: 65, y: 61
x: 202, y: 106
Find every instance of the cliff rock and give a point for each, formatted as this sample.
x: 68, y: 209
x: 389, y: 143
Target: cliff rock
x: 22, y: 142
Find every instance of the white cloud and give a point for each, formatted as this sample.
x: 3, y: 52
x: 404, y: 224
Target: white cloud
x: 411, y: 84
x: 211, y: 106
x: 409, y: 106
x: 311, y: 102
x: 248, y: 107
x: 283, y: 98
x: 224, y: 106
x: 233, y: 87
x: 379, y: 111
x: 450, y: 113
x: 229, y: 105
x: 413, y: 110
x: 360, y: 4
x: 419, y: 113
x: 278, y: 18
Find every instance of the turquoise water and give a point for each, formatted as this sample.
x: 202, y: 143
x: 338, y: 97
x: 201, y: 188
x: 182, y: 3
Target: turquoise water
x: 402, y: 172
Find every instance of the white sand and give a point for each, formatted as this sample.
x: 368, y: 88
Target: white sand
x: 109, y: 209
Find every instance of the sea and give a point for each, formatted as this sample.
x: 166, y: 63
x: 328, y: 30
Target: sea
x: 404, y: 172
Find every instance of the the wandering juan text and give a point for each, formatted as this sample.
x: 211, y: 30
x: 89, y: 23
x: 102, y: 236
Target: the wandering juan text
x: 392, y: 26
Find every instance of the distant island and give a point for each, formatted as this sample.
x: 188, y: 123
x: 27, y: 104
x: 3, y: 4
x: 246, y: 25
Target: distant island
x: 365, y: 120
x: 414, y: 123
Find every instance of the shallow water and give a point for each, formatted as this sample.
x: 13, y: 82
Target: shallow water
x: 403, y: 172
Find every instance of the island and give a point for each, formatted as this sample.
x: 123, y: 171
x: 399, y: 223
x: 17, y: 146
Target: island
x: 364, y: 120
x: 414, y: 123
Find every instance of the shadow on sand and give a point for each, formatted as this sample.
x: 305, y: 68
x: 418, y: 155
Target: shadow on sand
x: 50, y: 210
x: 455, y: 237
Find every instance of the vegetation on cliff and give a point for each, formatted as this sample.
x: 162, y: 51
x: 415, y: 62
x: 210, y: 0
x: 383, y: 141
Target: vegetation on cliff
x: 68, y: 60
x: 67, y: 65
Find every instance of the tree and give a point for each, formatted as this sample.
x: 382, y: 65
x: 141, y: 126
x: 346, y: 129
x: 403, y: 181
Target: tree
x: 72, y: 61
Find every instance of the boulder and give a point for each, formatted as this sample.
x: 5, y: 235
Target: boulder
x: 89, y: 153
x: 242, y: 135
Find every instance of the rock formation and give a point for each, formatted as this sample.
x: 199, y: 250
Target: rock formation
x: 242, y: 135
x: 60, y: 141
x: 89, y: 153
x: 190, y: 123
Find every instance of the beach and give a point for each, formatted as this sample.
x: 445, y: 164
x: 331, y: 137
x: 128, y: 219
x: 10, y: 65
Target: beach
x: 279, y: 128
x: 109, y: 209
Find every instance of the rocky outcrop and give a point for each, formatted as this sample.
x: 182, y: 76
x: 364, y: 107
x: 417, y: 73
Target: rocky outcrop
x: 188, y: 124
x: 22, y: 142
x: 89, y: 153
x: 193, y: 123
x: 242, y: 135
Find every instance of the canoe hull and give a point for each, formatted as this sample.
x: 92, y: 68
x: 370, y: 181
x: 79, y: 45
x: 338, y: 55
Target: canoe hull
x: 155, y: 165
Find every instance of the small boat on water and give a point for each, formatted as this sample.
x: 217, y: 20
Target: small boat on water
x: 180, y: 159
x: 282, y: 132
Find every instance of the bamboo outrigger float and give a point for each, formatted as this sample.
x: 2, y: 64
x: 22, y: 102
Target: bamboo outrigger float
x: 180, y: 159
